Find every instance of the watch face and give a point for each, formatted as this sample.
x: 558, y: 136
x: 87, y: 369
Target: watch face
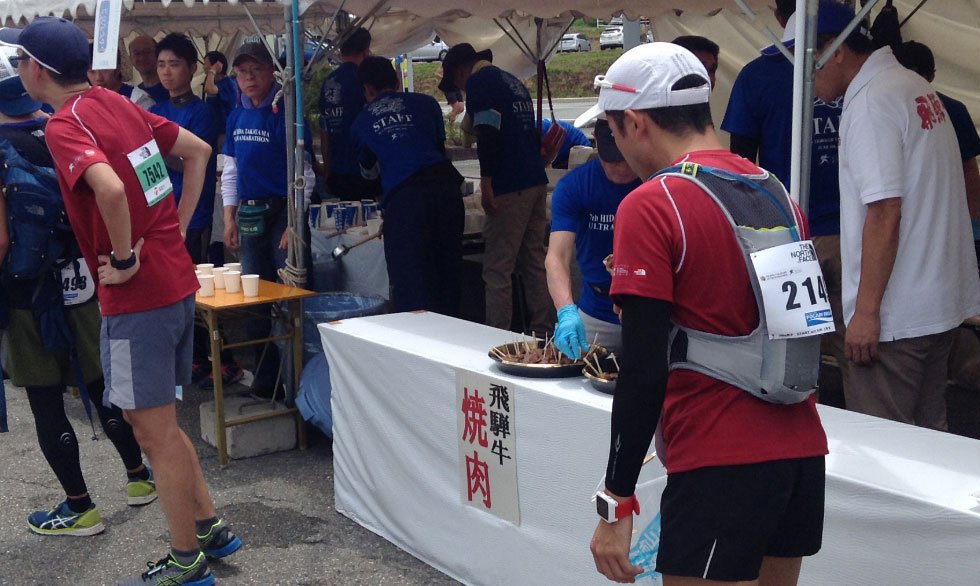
x: 602, y: 507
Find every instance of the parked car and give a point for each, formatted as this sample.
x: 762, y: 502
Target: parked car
x: 434, y: 51
x: 611, y: 38
x: 574, y: 42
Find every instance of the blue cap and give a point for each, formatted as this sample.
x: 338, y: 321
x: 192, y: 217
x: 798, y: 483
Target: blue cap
x: 55, y: 43
x: 832, y: 18
x: 14, y: 100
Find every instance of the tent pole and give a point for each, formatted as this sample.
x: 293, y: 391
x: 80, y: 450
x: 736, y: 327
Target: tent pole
x: 540, y: 63
x: 802, y: 141
x: 290, y: 106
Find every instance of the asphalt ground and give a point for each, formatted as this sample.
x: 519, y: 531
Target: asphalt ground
x: 281, y: 505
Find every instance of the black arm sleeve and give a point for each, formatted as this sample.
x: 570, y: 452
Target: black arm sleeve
x: 640, y: 389
x: 487, y: 149
x: 744, y: 146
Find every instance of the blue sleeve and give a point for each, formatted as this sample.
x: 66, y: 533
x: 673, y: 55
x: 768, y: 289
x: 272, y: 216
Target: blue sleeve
x: 578, y: 137
x: 229, y: 147
x: 564, y: 203
x: 440, y: 125
x: 739, y: 118
x: 480, y: 104
x: 966, y: 131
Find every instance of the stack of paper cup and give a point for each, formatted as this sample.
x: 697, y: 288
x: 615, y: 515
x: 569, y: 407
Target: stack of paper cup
x: 205, y: 268
x: 233, y: 281
x: 233, y: 266
x: 207, y: 285
x: 250, y: 285
x: 219, y: 277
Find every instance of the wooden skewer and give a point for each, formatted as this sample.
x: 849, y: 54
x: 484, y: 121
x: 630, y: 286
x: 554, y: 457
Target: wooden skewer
x: 649, y: 458
x: 597, y: 365
x: 499, y: 354
x: 616, y: 362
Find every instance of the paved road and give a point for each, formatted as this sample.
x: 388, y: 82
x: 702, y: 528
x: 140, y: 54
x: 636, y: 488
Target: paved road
x: 281, y: 505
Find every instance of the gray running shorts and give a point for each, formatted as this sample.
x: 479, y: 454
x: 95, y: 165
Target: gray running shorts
x: 146, y: 355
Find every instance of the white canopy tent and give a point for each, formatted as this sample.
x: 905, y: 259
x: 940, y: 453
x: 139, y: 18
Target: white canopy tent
x: 950, y: 27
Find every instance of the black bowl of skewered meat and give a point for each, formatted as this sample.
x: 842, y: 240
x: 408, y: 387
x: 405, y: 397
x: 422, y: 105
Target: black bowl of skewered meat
x: 539, y: 359
x: 602, y: 373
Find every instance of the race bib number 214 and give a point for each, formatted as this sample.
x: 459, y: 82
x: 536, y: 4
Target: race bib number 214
x: 794, y: 294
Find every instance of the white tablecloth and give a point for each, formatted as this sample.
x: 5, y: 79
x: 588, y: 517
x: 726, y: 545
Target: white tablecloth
x: 899, y: 506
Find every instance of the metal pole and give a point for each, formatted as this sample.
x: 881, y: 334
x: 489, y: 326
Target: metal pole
x: 803, y: 76
x: 290, y: 106
x: 299, y: 180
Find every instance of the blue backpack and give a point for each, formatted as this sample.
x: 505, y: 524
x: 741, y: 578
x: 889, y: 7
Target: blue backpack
x: 40, y: 234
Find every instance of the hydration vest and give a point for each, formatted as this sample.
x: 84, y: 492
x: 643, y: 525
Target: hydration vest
x: 761, y: 215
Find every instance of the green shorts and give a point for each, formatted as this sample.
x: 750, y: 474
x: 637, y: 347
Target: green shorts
x: 29, y: 364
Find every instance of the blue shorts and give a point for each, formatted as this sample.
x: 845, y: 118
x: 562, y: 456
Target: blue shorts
x: 146, y: 355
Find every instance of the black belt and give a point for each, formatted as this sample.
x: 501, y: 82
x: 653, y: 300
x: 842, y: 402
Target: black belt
x: 260, y: 202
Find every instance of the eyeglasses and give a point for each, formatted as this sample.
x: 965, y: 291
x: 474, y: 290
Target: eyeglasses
x: 601, y: 83
x: 144, y: 52
x: 16, y: 60
x: 251, y: 71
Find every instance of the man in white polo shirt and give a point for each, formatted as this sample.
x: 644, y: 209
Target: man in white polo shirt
x: 909, y: 268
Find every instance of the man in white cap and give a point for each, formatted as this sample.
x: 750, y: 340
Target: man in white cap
x: 678, y: 263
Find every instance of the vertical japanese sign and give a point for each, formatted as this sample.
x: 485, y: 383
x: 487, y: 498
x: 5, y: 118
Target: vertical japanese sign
x: 106, y: 43
x: 487, y: 438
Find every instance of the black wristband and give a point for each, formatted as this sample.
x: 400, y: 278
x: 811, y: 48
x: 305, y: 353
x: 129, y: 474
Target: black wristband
x: 122, y: 265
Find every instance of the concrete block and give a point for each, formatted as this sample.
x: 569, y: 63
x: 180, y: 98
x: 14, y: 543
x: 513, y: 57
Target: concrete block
x: 276, y: 434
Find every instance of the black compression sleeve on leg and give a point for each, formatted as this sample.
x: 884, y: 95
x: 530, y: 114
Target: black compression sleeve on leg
x: 640, y: 389
x: 56, y: 437
x: 119, y: 432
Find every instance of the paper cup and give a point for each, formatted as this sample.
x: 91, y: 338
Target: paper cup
x: 250, y: 285
x: 205, y: 268
x: 207, y: 285
x: 219, y: 277
x: 233, y: 281
x: 233, y: 266
x: 373, y: 225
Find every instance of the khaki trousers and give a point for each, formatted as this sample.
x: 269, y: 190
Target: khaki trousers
x: 828, y: 251
x: 514, y: 239
x: 906, y: 382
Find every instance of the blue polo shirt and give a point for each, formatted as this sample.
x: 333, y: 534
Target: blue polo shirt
x: 404, y: 132
x: 585, y: 202
x: 256, y: 137
x: 197, y: 117
x: 341, y: 100
x: 761, y: 107
x: 573, y: 137
x: 498, y: 99
x: 157, y: 92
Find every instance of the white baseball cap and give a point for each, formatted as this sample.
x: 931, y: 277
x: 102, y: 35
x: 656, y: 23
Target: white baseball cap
x: 642, y: 77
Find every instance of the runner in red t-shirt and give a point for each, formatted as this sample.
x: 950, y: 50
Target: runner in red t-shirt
x: 108, y: 154
x: 745, y: 487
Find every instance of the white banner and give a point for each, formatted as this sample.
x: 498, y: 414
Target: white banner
x: 487, y: 437
x: 105, y: 47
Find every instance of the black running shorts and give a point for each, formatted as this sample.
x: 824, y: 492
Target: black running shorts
x: 718, y: 523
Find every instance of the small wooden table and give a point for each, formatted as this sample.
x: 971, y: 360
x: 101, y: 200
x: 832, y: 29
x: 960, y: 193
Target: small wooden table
x: 224, y: 304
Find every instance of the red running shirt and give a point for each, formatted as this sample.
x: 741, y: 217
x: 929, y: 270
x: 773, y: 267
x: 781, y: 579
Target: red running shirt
x: 101, y: 126
x: 673, y: 243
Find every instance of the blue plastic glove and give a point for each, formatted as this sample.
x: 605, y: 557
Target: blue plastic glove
x: 570, y: 333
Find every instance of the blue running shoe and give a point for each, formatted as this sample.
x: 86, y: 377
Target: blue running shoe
x: 61, y: 520
x: 167, y: 572
x: 219, y: 542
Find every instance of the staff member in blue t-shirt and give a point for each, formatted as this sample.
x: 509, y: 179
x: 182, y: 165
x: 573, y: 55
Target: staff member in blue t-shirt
x: 254, y: 186
x: 403, y: 135
x: 513, y: 183
x: 176, y: 65
x: 341, y: 100
x: 583, y: 209
x: 760, y: 120
x: 220, y: 91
